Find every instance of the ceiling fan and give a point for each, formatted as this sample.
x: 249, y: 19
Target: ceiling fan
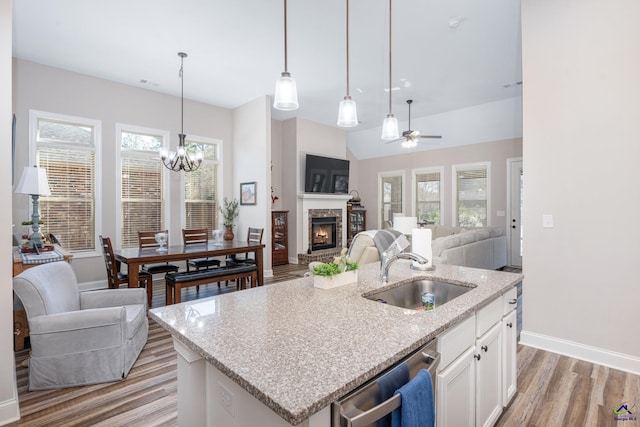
x: 410, y: 137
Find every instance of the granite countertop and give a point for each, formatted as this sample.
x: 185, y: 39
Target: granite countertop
x: 297, y: 348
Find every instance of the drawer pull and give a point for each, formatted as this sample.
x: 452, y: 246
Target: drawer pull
x: 513, y: 301
x: 510, y: 325
x: 477, y: 356
x: 485, y: 348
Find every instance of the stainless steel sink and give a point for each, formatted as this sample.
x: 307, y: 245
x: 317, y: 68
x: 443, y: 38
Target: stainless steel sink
x: 409, y: 295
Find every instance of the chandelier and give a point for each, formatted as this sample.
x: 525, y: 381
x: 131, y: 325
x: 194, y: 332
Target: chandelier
x: 180, y: 160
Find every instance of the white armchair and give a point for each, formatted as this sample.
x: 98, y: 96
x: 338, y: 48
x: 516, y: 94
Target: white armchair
x: 79, y: 338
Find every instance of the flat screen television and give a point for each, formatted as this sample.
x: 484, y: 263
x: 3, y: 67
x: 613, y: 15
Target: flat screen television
x: 326, y: 175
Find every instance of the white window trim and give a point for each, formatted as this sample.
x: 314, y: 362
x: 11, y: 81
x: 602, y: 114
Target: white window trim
x: 420, y: 171
x: 34, y: 115
x: 386, y: 174
x: 207, y: 140
x: 454, y: 187
x: 166, y: 135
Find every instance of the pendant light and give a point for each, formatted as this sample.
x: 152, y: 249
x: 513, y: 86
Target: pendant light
x: 286, y: 95
x: 347, y: 113
x: 390, y: 124
x: 180, y: 160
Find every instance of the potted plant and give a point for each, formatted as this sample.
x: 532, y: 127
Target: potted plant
x: 229, y: 211
x: 337, y: 273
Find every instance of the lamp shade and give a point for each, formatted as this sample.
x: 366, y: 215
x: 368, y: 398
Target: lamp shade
x: 33, y: 181
x: 390, y: 128
x: 405, y: 224
x: 347, y: 114
x: 286, y: 96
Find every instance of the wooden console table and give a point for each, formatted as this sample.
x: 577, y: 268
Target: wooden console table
x: 20, y: 325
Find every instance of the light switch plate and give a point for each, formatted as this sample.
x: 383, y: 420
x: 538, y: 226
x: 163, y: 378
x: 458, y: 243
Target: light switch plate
x: 547, y: 221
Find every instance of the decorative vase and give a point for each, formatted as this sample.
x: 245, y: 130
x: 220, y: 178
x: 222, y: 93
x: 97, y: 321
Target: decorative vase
x: 228, y: 233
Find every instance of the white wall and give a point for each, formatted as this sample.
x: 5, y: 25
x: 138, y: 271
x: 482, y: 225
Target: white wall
x: 581, y: 153
x: 495, y: 152
x: 9, y: 410
x: 54, y: 90
x: 251, y: 160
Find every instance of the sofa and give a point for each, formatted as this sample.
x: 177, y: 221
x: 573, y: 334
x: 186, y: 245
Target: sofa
x: 79, y: 338
x: 484, y: 247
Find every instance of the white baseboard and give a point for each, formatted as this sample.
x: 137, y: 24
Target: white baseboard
x: 9, y: 410
x: 611, y: 359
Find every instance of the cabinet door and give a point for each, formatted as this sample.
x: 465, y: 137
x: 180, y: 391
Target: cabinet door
x: 489, y: 376
x: 456, y: 392
x: 510, y: 346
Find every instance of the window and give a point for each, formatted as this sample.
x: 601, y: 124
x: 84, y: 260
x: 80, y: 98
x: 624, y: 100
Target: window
x: 201, y: 187
x: 390, y: 197
x: 142, y: 183
x: 67, y: 148
x: 428, y: 195
x: 471, y: 194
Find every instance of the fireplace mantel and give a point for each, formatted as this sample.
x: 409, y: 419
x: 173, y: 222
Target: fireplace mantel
x: 323, y: 196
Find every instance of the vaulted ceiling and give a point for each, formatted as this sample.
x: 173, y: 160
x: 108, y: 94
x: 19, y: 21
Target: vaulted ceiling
x: 459, y: 60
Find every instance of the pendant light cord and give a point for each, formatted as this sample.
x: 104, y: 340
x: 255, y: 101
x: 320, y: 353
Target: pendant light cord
x: 182, y: 93
x: 285, y: 36
x: 348, y: 93
x: 390, y: 57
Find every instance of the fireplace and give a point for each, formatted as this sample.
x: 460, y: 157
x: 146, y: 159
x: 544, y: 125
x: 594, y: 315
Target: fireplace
x: 323, y: 233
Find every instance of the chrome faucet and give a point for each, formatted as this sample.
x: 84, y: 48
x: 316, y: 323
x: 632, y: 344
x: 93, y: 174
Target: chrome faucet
x: 386, y: 262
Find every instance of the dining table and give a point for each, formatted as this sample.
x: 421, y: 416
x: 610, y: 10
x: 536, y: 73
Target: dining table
x: 135, y: 258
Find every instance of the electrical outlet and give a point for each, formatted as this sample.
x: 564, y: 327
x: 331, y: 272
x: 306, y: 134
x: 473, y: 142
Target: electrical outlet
x: 226, y: 399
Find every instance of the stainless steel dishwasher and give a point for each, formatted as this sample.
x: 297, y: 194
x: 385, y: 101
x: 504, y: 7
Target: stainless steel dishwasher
x: 363, y: 407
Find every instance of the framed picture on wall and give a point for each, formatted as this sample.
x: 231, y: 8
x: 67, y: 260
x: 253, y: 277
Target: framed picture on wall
x: 248, y: 193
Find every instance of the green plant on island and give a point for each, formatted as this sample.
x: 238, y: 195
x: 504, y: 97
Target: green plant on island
x: 229, y: 212
x: 339, y: 265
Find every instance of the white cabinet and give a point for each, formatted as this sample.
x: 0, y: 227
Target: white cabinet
x: 477, y: 374
x: 489, y: 376
x: 510, y: 345
x: 456, y: 393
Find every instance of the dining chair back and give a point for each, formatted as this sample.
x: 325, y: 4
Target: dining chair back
x: 147, y: 240
x: 254, y: 237
x: 199, y: 236
x: 115, y: 277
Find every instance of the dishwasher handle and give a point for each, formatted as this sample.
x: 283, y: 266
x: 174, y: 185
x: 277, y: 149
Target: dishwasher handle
x: 385, y: 408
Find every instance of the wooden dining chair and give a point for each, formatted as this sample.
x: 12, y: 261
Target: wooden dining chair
x: 254, y: 237
x: 115, y: 277
x: 199, y: 236
x: 147, y: 240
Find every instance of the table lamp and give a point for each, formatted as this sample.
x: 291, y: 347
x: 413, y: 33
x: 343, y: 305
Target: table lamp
x: 34, y: 182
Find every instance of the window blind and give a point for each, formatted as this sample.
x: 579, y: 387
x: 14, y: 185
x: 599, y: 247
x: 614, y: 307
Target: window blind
x: 66, y: 150
x: 471, y: 185
x: 201, y: 201
x: 428, y: 197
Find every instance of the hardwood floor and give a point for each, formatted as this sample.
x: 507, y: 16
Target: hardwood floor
x: 553, y: 390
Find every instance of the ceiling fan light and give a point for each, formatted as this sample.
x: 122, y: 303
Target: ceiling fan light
x: 390, y: 128
x: 286, y: 95
x: 347, y: 113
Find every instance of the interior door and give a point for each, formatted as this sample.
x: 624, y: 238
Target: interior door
x: 515, y: 220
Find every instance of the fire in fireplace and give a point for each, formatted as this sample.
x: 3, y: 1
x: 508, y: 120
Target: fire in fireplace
x: 323, y: 233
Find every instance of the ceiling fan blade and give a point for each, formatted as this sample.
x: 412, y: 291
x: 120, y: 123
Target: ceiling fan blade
x: 431, y: 136
x: 395, y: 140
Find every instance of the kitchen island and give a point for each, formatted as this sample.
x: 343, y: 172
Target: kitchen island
x: 291, y: 349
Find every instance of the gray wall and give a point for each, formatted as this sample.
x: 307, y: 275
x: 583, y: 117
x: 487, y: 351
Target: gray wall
x: 581, y: 153
x: 495, y: 152
x: 9, y: 410
x: 54, y: 90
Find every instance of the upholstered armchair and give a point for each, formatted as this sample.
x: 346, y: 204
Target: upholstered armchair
x: 79, y: 338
